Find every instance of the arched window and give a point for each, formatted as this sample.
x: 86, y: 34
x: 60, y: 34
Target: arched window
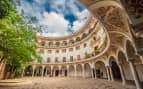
x: 84, y: 35
x: 64, y: 59
x: 70, y: 49
x: 57, y: 51
x: 64, y: 43
x: 49, y: 51
x: 48, y: 59
x: 84, y: 45
x: 64, y: 50
x: 71, y: 58
x: 50, y: 43
x: 56, y: 59
x: 77, y: 39
x: 71, y: 42
x: 77, y: 47
x: 42, y: 43
x: 57, y: 44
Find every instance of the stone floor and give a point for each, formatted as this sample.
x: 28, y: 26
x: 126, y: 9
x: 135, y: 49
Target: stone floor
x: 69, y: 83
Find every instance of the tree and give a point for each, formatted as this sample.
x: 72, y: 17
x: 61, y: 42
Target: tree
x: 17, y: 39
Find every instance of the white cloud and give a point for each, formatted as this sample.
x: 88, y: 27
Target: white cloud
x: 56, y: 23
x: 82, y: 19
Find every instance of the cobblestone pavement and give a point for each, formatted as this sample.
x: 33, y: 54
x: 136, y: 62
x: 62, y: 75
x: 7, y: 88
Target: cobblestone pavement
x: 70, y: 83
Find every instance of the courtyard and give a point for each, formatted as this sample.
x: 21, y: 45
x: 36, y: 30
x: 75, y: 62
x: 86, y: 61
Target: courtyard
x: 68, y: 83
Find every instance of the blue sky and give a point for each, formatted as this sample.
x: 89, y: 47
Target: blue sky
x: 57, y: 17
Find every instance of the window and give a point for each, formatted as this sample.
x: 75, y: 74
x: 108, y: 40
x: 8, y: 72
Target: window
x: 41, y: 51
x: 94, y: 38
x: 84, y: 45
x: 64, y: 50
x: 49, y: 51
x: 71, y: 58
x: 70, y: 49
x: 48, y: 59
x: 57, y: 51
x: 56, y: 59
x: 64, y: 59
x: 78, y: 48
x: 42, y: 43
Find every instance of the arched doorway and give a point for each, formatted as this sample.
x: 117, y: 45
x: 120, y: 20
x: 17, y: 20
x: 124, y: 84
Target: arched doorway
x: 100, y: 70
x: 115, y: 69
x: 38, y: 71
x: 64, y: 71
x: 28, y: 71
x: 87, y: 68
x: 56, y: 71
x: 79, y: 70
x: 47, y: 71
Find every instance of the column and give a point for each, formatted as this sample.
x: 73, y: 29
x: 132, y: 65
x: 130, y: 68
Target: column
x: 108, y: 73
x: 46, y: 72
x: 83, y: 71
x: 75, y: 75
x: 111, y: 73
x: 92, y: 69
x: 51, y: 72
x: 122, y: 73
x: 60, y: 71
x: 33, y: 70
x: 92, y: 72
x: 135, y: 75
x: 43, y: 67
x: 95, y: 73
x: 67, y: 71
x: 23, y: 71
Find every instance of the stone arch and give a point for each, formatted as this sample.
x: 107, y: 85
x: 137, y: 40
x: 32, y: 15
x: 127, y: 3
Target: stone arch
x: 38, y: 71
x: 115, y: 68
x: 78, y: 39
x: 122, y: 58
x: 71, y: 71
x: 28, y: 71
x: 87, y: 69
x: 47, y: 71
x: 130, y: 49
x: 100, y: 70
x: 64, y: 71
x: 79, y: 70
x: 56, y: 71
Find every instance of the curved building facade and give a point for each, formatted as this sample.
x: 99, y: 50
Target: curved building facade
x: 106, y: 48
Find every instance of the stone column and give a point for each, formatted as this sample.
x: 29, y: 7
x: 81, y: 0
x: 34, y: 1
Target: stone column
x: 108, y: 73
x: 51, y: 72
x: 46, y: 72
x: 60, y: 71
x: 135, y: 75
x: 23, y: 71
x: 83, y: 71
x: 111, y: 73
x: 122, y: 73
x: 67, y: 71
x: 92, y: 69
x: 33, y: 70
x: 95, y: 73
x: 43, y: 67
x: 75, y: 75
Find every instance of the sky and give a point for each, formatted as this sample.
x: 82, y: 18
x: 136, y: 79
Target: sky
x: 57, y: 17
